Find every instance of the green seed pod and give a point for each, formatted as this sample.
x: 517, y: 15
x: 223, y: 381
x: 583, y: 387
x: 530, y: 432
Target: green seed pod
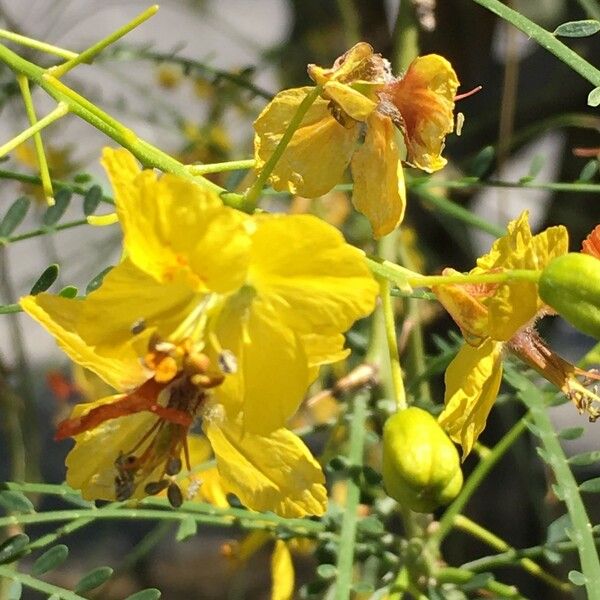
x: 570, y: 284
x: 421, y: 466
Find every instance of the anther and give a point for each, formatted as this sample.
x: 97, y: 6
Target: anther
x: 155, y: 487
x: 173, y: 465
x: 138, y: 326
x: 174, y: 495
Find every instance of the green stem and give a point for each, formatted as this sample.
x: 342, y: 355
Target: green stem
x: 474, y: 481
x: 467, y: 525
x: 350, y: 22
x: 56, y: 183
x: 456, y: 211
x: 545, y: 39
x: 461, y: 576
x: 37, y: 140
x: 508, y: 558
x: 36, y: 45
x: 36, y: 584
x: 254, y: 192
x: 345, y: 562
x: 87, y: 55
x: 467, y: 183
x: 146, y: 153
x: 392, y: 343
x: 417, y: 362
x: 402, y: 276
x: 406, y: 36
x: 233, y: 165
x: 581, y: 529
x: 60, y: 111
x: 159, y: 511
x: 188, y: 65
x: 504, y: 277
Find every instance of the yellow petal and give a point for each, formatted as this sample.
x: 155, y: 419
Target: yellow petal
x: 425, y: 99
x: 60, y: 316
x: 318, y: 153
x: 379, y: 191
x: 282, y: 570
x: 172, y: 225
x: 353, y: 103
x: 315, y: 282
x: 91, y: 463
x: 129, y: 296
x: 273, y: 372
x: 472, y: 383
x: 355, y: 64
x: 268, y: 473
x: 466, y: 308
x: 513, y: 305
x: 324, y: 349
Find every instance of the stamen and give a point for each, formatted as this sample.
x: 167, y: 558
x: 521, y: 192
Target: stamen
x: 467, y: 94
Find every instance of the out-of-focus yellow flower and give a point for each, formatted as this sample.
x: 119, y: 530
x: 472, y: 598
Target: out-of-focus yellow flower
x: 213, y: 314
x: 60, y: 163
x: 361, y: 95
x: 282, y: 570
x: 490, y: 315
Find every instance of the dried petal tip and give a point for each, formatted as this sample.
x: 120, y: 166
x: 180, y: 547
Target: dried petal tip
x: 422, y: 105
x: 591, y: 244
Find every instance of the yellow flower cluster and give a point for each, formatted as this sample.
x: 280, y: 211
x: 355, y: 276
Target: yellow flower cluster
x: 490, y: 316
x: 213, y: 317
x: 361, y: 101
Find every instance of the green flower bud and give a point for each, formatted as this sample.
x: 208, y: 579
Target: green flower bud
x: 570, y: 284
x: 421, y: 466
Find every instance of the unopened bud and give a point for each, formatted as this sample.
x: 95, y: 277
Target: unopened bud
x: 570, y: 285
x: 421, y: 466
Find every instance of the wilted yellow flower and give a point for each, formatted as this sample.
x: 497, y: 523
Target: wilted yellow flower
x: 361, y: 95
x: 491, y: 315
x: 212, y: 314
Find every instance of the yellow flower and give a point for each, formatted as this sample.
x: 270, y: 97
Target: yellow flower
x: 214, y: 314
x: 360, y: 94
x: 282, y: 569
x: 490, y: 316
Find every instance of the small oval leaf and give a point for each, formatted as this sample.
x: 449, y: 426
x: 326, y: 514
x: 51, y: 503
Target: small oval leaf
x: 95, y: 283
x: 13, y: 548
x: 588, y: 172
x: 582, y: 28
x: 482, y: 162
x: 61, y: 203
x: 52, y: 558
x: 45, y: 280
x: 577, y: 578
x: 92, y: 198
x: 93, y: 579
x: 14, y: 501
x: 593, y: 98
x: 69, y: 291
x: 585, y: 458
x: 591, y: 486
x: 149, y: 594
x: 571, y: 433
x: 14, y: 216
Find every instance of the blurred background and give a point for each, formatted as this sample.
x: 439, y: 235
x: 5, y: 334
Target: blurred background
x: 191, y: 81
